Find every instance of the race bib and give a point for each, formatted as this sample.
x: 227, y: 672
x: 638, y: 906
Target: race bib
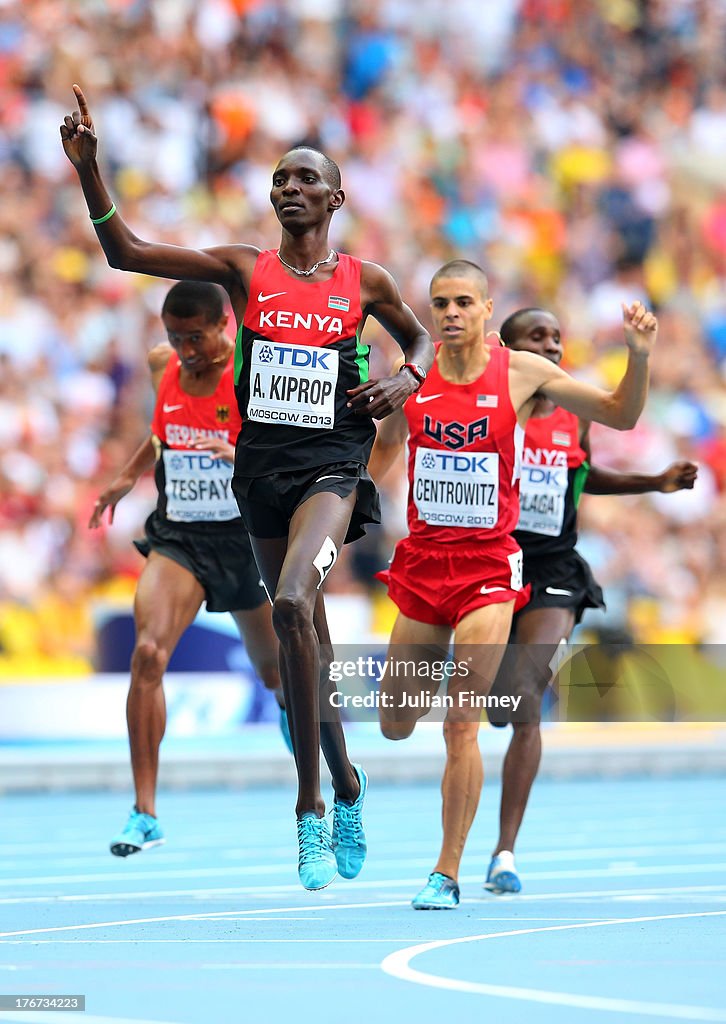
x: 456, y: 490
x: 542, y: 491
x: 198, y: 487
x: 293, y: 384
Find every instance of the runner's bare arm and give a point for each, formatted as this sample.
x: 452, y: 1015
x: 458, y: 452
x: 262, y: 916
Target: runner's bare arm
x: 123, y: 249
x: 390, y: 437
x: 158, y: 357
x: 140, y: 462
x: 619, y: 409
x: 381, y: 299
x: 679, y: 476
x: 143, y: 458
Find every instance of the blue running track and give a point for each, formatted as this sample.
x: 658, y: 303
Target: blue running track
x: 622, y: 916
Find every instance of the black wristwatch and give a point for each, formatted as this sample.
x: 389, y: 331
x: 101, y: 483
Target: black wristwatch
x: 418, y: 372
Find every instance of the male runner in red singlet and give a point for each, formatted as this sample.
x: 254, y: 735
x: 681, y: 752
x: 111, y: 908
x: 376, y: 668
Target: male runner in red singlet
x: 307, y: 408
x: 555, y: 471
x: 459, y: 569
x: 196, y: 544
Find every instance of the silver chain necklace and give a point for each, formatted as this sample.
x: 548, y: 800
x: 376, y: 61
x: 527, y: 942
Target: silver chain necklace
x: 307, y: 273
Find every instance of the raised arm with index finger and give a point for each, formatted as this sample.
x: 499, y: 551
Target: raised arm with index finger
x: 232, y: 266
x: 123, y: 249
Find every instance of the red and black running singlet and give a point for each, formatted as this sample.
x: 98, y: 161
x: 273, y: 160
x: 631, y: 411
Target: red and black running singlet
x: 464, y: 445
x: 298, y: 351
x: 554, y: 470
x: 194, y: 486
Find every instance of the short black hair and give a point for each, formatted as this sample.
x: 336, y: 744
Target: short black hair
x: 190, y: 298
x: 463, y: 268
x: 509, y: 329
x: 331, y: 171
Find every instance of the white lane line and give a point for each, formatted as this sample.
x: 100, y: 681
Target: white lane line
x: 171, y: 942
x: 286, y: 966
x: 262, y: 912
x: 160, y: 873
x: 617, y: 870
x: 194, y: 917
x: 225, y: 892
x: 685, y: 890
x: 190, y: 850
x: 398, y: 965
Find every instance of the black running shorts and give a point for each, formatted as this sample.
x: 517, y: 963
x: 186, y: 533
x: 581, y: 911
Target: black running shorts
x: 561, y: 581
x: 267, y: 503
x: 557, y: 581
x: 218, y: 555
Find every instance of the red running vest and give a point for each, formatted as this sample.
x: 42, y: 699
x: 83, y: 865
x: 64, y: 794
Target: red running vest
x: 298, y: 352
x: 464, y: 455
x: 193, y: 486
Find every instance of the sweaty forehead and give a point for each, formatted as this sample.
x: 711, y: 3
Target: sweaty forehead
x: 185, y: 324
x: 538, y: 319
x: 455, y: 288
x: 301, y: 159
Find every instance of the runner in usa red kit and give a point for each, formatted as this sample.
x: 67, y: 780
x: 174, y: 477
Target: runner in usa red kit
x: 459, y: 571
x: 307, y: 407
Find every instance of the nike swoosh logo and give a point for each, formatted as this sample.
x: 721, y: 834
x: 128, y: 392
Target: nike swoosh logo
x: 329, y: 478
x: 421, y: 399
x: 172, y: 408
x: 490, y: 590
x: 561, y: 593
x: 273, y: 295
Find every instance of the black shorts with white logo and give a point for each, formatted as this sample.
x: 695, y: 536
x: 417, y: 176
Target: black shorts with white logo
x: 557, y: 581
x: 267, y: 503
x: 218, y: 555
x: 561, y: 581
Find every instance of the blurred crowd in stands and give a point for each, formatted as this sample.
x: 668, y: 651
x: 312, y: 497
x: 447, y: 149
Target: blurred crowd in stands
x: 577, y: 151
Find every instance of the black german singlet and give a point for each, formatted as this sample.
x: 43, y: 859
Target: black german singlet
x: 553, y: 474
x: 298, y: 352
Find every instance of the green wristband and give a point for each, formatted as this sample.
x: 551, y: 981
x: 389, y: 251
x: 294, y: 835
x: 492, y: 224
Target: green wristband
x: 106, y: 216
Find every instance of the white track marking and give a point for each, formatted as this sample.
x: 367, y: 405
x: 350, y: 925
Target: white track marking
x: 684, y: 890
x: 171, y: 942
x: 287, y: 966
x: 262, y: 912
x: 687, y: 838
x: 196, y: 917
x: 398, y: 966
x: 403, y: 883
x: 610, y: 871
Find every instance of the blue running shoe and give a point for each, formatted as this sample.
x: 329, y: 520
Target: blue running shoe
x: 439, y: 893
x: 349, y: 841
x: 141, y: 832
x: 285, y: 729
x: 502, y: 874
x: 316, y: 865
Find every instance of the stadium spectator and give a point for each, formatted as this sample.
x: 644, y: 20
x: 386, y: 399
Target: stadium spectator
x: 576, y: 151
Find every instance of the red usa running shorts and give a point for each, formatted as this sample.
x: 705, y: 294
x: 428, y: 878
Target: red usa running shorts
x: 440, y: 585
